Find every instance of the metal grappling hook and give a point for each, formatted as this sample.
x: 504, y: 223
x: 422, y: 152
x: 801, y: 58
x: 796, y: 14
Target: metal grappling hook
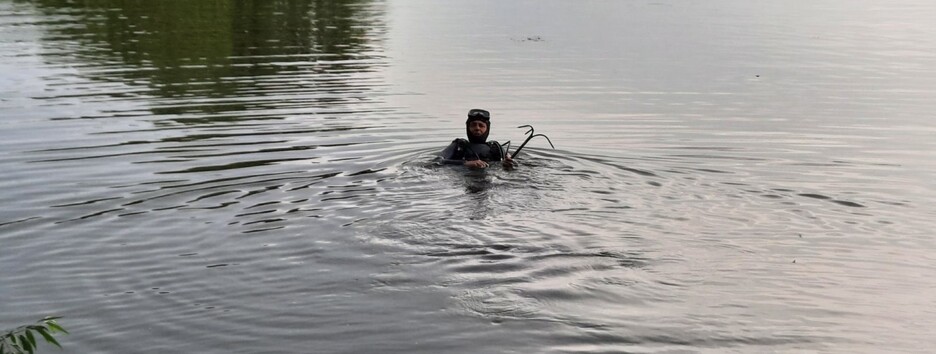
x: 516, y: 153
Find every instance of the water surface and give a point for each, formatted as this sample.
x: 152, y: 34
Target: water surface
x: 251, y: 176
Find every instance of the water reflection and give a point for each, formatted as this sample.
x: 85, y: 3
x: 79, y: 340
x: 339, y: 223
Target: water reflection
x: 213, y: 92
x: 279, y: 53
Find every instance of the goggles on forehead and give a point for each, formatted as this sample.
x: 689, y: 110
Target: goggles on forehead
x: 479, y: 113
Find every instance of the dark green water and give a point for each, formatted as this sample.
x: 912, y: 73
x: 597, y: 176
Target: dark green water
x: 256, y: 176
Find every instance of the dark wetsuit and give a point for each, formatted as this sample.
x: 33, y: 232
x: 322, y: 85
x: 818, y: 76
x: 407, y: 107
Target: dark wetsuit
x: 461, y: 150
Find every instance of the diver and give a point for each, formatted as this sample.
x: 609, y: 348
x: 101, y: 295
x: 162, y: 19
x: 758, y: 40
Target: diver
x: 476, y: 151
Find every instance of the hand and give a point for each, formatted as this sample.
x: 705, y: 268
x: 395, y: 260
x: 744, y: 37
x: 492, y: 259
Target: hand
x: 509, y: 162
x: 476, y: 164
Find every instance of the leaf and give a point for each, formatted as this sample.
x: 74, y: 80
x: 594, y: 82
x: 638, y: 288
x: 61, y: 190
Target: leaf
x: 32, y: 339
x: 16, y: 347
x: 48, y: 337
x: 25, y: 342
x: 55, y: 327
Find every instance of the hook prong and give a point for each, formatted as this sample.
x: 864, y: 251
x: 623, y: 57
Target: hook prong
x: 531, y: 136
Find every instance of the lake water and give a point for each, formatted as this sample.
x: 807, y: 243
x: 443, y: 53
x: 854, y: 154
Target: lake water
x: 256, y: 176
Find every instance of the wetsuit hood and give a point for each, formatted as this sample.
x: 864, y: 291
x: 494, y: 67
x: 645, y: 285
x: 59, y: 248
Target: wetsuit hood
x: 482, y: 116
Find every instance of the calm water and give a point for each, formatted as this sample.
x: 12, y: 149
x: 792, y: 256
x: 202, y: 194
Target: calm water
x: 255, y: 176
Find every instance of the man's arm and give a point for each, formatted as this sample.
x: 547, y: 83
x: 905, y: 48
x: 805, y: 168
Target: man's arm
x: 453, y: 154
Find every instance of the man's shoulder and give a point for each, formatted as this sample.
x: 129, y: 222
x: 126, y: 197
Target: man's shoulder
x: 460, y: 143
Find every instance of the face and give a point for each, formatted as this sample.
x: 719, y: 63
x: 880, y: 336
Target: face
x: 477, y: 128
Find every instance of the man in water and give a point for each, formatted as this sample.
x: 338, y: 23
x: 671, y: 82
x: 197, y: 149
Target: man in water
x: 476, y: 151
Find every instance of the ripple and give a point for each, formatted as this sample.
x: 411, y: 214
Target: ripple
x: 264, y: 175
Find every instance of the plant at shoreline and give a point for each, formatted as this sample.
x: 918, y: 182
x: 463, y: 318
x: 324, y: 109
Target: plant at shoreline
x: 22, y: 339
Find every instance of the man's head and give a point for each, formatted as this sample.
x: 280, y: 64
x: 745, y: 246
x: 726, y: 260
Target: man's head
x: 478, y: 125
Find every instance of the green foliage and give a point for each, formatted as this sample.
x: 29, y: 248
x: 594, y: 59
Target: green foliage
x: 22, y: 340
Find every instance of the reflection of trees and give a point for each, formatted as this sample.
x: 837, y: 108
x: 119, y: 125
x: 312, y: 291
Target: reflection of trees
x: 214, y: 48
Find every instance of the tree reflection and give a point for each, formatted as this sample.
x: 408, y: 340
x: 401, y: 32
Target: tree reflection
x: 216, y: 48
